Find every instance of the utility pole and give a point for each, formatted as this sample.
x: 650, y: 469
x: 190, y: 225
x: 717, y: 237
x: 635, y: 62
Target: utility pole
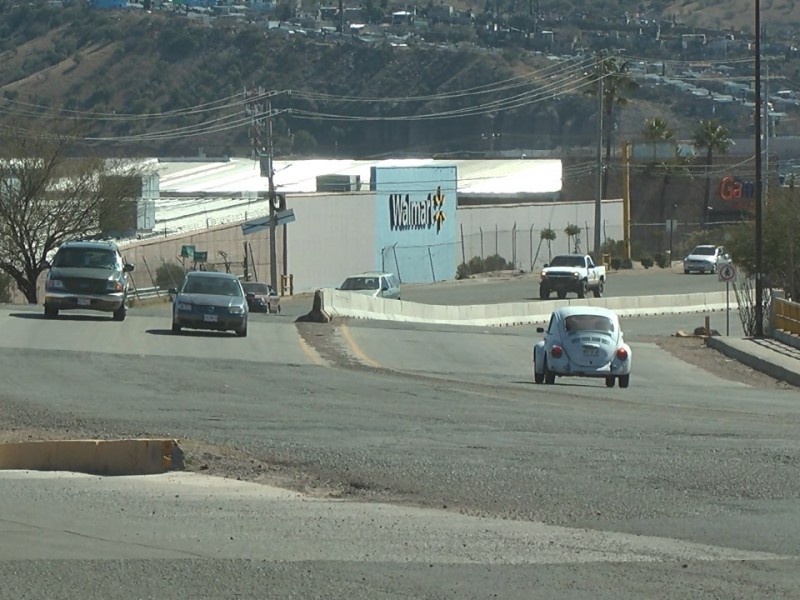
x: 759, y: 300
x: 598, y: 203
x: 626, y: 200
x: 258, y: 107
x: 766, y: 128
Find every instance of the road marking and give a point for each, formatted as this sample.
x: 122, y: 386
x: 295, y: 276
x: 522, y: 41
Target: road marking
x: 312, y: 354
x: 355, y: 349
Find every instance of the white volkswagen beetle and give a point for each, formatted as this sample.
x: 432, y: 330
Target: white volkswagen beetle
x: 582, y: 341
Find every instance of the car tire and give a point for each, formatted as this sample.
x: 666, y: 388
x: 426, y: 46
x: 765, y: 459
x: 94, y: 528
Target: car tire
x: 561, y: 295
x: 175, y: 327
x: 598, y: 291
x: 242, y: 332
x: 624, y: 380
x: 537, y: 377
x: 50, y: 312
x: 120, y: 313
x: 582, y: 289
x: 549, y: 376
x: 610, y: 381
x: 686, y: 271
x: 544, y: 293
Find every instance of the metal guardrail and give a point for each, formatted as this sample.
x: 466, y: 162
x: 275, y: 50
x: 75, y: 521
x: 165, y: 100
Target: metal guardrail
x: 147, y: 293
x: 787, y: 315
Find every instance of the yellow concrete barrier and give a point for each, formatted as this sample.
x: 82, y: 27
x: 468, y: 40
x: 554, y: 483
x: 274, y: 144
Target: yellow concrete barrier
x: 97, y: 457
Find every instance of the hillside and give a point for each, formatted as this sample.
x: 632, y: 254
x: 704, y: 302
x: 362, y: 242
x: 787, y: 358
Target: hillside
x: 143, y: 84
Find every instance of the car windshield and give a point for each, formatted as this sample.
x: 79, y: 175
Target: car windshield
x: 704, y: 250
x: 256, y: 288
x: 577, y: 323
x: 568, y: 261
x: 85, y: 258
x: 215, y: 286
x: 360, y: 283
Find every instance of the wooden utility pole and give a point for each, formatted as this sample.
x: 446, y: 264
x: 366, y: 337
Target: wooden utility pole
x: 598, y: 202
x: 626, y: 198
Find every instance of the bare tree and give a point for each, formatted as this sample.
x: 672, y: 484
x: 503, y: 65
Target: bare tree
x: 47, y: 198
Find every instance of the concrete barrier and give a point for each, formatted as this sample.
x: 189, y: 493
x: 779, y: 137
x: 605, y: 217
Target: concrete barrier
x: 337, y: 303
x: 97, y: 457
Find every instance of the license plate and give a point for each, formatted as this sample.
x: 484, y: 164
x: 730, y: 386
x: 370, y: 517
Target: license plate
x: 591, y: 351
x: 84, y: 302
x: 210, y: 318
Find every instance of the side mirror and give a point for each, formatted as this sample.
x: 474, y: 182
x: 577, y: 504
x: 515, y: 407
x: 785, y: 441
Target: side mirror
x: 172, y: 292
x: 127, y: 268
x: 540, y: 330
x: 546, y: 265
x: 385, y: 288
x: 43, y: 264
x: 250, y: 296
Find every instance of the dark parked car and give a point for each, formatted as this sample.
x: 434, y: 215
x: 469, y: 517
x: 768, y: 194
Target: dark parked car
x: 261, y: 297
x: 87, y: 275
x: 209, y: 300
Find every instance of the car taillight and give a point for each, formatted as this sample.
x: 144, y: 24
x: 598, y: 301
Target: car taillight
x: 622, y: 354
x: 556, y: 351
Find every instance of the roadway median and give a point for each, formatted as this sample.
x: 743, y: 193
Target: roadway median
x: 331, y: 303
x: 96, y: 457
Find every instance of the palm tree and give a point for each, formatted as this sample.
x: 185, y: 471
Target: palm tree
x: 617, y: 83
x: 656, y: 130
x: 714, y: 137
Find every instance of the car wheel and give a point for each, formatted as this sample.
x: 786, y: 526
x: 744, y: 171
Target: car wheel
x: 50, y: 312
x: 175, y: 327
x: 582, y: 288
x: 686, y: 271
x: 561, y: 295
x: 119, y: 314
x: 598, y: 291
x: 624, y: 380
x: 242, y: 332
x: 713, y: 269
x: 549, y: 376
x: 610, y: 381
x: 537, y: 377
x: 544, y: 293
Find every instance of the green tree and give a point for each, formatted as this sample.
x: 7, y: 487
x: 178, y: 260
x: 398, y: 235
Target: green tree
x: 656, y: 130
x: 617, y: 85
x: 781, y: 243
x: 548, y: 235
x: 713, y: 137
x: 572, y: 231
x: 47, y: 198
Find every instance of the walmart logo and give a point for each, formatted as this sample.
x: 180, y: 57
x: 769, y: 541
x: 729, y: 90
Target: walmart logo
x: 405, y: 213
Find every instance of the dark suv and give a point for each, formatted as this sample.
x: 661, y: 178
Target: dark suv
x: 87, y: 275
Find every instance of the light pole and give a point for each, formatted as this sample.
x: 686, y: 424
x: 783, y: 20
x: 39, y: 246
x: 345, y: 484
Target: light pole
x: 759, y: 304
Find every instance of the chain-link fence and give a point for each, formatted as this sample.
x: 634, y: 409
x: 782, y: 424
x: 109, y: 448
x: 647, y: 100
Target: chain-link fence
x: 674, y: 239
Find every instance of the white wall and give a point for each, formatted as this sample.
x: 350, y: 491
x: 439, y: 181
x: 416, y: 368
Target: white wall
x: 333, y: 237
x: 523, y: 247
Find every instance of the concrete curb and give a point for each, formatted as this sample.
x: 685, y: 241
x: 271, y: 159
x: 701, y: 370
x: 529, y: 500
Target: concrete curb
x: 337, y: 303
x: 96, y: 457
x: 755, y: 362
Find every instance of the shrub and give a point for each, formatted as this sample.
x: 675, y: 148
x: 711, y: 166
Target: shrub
x: 646, y: 261
x: 475, y: 265
x: 616, y: 263
x: 5, y: 288
x: 662, y: 259
x: 496, y: 263
x: 170, y: 275
x: 462, y: 272
x: 626, y: 264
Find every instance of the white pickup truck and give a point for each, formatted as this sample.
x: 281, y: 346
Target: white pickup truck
x: 575, y: 273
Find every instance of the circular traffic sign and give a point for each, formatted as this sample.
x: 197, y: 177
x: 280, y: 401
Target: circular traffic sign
x: 727, y: 272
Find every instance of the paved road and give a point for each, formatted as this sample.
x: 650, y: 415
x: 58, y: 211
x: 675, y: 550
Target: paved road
x: 683, y: 485
x: 639, y: 282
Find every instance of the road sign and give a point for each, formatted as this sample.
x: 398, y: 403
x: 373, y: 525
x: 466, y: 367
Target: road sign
x: 200, y: 257
x: 671, y: 225
x: 187, y: 251
x: 283, y: 217
x: 727, y: 272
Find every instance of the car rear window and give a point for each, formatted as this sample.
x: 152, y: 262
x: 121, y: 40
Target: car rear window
x: 705, y: 250
x: 360, y: 283
x: 588, y: 323
x: 85, y: 258
x: 256, y: 288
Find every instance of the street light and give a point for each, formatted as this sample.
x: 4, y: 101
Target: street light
x: 759, y: 306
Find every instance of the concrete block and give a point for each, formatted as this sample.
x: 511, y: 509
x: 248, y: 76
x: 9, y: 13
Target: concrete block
x: 97, y: 457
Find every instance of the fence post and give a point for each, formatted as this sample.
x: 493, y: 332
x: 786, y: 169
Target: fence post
x: 496, y: 240
x: 514, y: 245
x: 153, y: 281
x: 530, y: 235
x: 396, y: 262
x: 480, y: 228
x: 430, y: 258
x: 463, y: 250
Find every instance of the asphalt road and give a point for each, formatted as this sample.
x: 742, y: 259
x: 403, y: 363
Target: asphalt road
x: 463, y: 479
x: 525, y: 287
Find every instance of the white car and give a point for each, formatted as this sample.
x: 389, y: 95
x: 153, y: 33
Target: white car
x: 705, y: 258
x: 582, y: 341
